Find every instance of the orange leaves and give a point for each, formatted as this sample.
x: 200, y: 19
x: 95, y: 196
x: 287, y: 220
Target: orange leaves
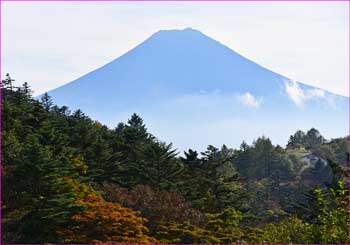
x: 105, y: 222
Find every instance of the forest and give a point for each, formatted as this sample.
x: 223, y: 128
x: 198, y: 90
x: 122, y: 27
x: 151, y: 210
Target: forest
x: 69, y: 179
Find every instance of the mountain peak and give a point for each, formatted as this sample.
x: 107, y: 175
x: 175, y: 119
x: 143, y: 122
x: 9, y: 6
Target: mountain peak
x: 208, y: 88
x: 173, y: 33
x: 187, y: 29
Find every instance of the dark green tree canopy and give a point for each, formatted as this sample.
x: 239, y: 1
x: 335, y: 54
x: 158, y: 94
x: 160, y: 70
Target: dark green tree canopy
x: 62, y: 172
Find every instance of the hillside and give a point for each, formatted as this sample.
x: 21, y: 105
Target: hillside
x: 69, y: 179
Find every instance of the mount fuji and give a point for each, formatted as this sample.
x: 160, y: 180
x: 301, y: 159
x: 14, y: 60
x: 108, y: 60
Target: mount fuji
x: 193, y: 91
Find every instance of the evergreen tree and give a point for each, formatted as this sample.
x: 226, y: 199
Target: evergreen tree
x: 297, y: 140
x: 314, y: 139
x: 43, y: 188
x: 191, y: 159
x: 46, y: 101
x: 136, y: 122
x: 160, y: 167
x: 7, y: 82
x: 214, y: 184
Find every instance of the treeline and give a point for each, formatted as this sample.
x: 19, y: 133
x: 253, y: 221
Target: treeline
x: 69, y: 179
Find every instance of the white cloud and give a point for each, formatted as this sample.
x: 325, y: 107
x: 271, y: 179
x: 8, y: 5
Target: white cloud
x: 249, y: 100
x: 295, y: 92
x: 299, y: 96
x: 318, y: 93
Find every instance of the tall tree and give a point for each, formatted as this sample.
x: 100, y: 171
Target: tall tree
x: 46, y: 101
x: 43, y: 189
x: 160, y: 167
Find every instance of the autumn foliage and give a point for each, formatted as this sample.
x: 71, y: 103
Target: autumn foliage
x: 105, y: 222
x: 69, y: 179
x: 156, y: 206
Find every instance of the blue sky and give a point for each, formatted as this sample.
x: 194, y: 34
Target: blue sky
x: 49, y: 44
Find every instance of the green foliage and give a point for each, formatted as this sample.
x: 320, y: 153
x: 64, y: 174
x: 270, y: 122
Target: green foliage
x: 160, y: 168
x: 56, y: 162
x: 227, y: 219
x: 44, y: 192
x: 333, y: 218
x: 289, y: 230
x: 212, y: 183
x: 312, y: 139
x: 263, y: 160
x: 186, y: 233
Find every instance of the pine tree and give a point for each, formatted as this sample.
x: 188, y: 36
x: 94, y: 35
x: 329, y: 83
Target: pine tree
x: 214, y: 184
x: 136, y: 122
x: 313, y: 139
x: 296, y: 140
x: 132, y: 138
x: 191, y: 159
x: 26, y: 91
x: 46, y: 101
x: 44, y: 189
x: 160, y: 167
x: 7, y: 82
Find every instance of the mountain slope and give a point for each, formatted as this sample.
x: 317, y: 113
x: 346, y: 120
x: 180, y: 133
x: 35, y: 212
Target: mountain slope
x: 186, y: 81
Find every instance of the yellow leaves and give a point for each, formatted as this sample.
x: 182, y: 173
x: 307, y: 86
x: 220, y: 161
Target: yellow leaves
x: 184, y: 233
x: 11, y: 144
x: 98, y: 125
x: 79, y: 164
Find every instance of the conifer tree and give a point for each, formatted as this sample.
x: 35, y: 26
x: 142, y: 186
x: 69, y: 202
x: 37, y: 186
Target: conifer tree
x: 46, y: 101
x: 160, y: 167
x: 44, y: 189
x: 7, y: 82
